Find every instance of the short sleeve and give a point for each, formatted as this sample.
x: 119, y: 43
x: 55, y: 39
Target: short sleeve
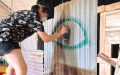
x: 29, y: 18
x: 36, y: 25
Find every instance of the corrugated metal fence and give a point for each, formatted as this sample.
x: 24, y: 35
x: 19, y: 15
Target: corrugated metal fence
x: 75, y: 53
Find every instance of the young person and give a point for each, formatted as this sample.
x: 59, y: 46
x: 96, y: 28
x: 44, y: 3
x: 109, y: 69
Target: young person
x: 18, y: 26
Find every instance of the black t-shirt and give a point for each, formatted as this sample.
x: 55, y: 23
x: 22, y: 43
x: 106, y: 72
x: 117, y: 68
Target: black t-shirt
x: 19, y: 25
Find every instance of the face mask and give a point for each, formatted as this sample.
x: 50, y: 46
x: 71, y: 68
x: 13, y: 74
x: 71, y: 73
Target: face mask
x: 43, y: 19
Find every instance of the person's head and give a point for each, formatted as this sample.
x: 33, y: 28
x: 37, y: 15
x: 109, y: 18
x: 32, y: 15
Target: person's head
x: 42, y: 11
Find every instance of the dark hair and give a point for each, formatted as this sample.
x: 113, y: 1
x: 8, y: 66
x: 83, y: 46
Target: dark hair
x: 44, y: 8
x: 36, y: 8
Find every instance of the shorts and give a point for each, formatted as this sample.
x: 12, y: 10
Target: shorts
x: 8, y: 46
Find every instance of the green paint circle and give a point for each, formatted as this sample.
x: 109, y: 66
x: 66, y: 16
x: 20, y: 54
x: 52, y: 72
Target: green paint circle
x: 76, y: 46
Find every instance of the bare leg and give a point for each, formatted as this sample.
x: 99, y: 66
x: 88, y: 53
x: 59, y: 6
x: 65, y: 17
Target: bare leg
x: 16, y: 60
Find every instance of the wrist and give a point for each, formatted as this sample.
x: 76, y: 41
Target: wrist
x: 60, y: 34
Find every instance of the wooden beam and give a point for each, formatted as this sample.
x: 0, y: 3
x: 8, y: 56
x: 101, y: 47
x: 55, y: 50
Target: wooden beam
x: 107, y: 59
x: 5, y: 5
x: 102, y: 32
x: 113, y: 6
x: 110, y: 7
x: 101, y: 9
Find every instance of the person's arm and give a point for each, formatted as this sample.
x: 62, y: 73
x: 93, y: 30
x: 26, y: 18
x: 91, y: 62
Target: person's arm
x: 37, y: 26
x: 47, y: 38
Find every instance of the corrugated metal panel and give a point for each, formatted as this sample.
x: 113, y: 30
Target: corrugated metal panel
x: 32, y: 56
x: 79, y: 52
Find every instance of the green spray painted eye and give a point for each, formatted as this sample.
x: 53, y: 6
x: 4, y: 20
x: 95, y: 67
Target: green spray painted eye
x: 75, y: 46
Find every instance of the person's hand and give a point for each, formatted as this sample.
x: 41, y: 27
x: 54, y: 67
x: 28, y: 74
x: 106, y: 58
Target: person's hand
x: 63, y: 30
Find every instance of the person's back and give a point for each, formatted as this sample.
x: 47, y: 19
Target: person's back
x: 18, y: 26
